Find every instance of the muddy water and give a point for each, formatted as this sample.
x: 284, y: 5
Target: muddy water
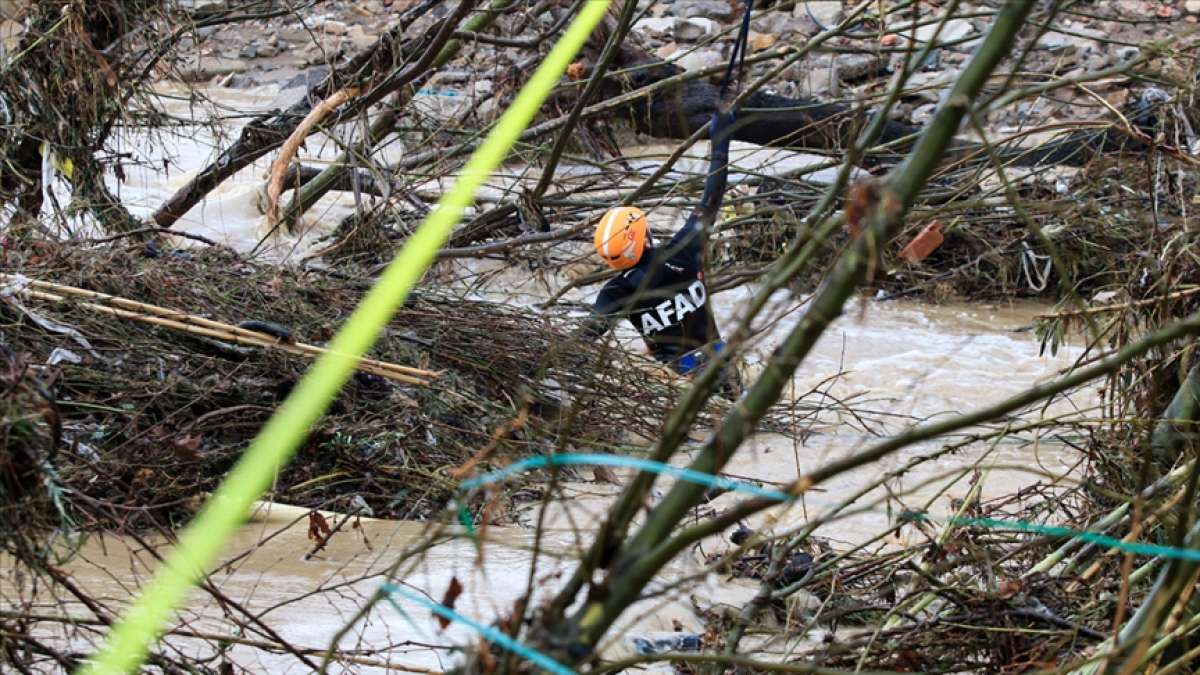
x: 308, y: 600
x: 893, y: 363
x: 234, y: 213
x: 909, y: 362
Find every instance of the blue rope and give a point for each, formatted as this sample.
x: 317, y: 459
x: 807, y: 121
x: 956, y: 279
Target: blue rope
x: 490, y: 634
x: 1135, y: 547
x: 690, y: 475
x: 596, y: 459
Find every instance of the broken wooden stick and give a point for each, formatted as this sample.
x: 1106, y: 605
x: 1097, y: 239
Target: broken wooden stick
x: 292, y: 145
x: 197, y: 325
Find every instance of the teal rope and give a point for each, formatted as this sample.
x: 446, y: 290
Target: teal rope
x: 490, y: 634
x: 1135, y: 547
x: 596, y: 459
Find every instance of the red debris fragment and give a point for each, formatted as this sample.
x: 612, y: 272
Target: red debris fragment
x: 924, y: 243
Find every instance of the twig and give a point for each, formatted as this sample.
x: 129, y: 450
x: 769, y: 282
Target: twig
x: 509, y: 244
x: 218, y: 638
x: 145, y: 230
x: 593, y: 85
x: 1123, y: 306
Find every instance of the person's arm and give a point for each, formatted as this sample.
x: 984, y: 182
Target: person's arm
x: 606, y: 311
x: 594, y: 327
x: 687, y: 246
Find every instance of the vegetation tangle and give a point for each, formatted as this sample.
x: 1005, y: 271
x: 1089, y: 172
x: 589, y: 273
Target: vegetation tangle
x: 488, y: 489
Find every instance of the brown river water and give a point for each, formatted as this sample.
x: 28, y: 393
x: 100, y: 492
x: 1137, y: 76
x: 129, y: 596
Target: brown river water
x: 897, y: 361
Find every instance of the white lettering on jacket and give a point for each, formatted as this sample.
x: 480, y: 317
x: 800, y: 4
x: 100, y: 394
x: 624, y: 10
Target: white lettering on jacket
x: 649, y: 324
x: 670, y: 312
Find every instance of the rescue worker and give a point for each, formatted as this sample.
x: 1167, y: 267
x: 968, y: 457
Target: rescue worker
x: 661, y: 290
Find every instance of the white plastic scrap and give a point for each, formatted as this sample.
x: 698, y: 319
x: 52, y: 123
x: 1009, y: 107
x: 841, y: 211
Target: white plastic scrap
x: 1029, y: 261
x: 16, y: 285
x: 60, y: 355
x: 87, y: 452
x: 359, y: 506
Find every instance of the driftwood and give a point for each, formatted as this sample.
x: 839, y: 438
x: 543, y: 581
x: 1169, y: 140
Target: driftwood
x: 292, y: 145
x: 802, y: 123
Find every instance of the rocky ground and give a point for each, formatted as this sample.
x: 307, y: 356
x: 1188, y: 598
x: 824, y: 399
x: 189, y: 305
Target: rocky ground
x: 698, y: 34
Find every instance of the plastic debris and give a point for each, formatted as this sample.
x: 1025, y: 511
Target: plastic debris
x: 676, y: 642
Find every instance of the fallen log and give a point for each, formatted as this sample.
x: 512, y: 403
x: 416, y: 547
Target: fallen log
x: 678, y: 111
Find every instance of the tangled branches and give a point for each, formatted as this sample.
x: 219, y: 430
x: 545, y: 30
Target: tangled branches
x: 162, y: 415
x: 76, y: 68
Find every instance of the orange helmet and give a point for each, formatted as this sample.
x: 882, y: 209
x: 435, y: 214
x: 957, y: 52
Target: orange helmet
x: 621, y: 237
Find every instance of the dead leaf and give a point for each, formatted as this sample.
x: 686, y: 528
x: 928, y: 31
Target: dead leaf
x: 140, y: 479
x: 1117, y: 97
x: 1009, y: 588
x: 318, y: 527
x: 861, y: 197
x: 761, y: 41
x: 487, y: 661
x: 577, y: 70
x: 889, y: 40
x: 909, y: 660
x: 603, y: 474
x: 187, y: 447
x: 454, y: 590
x: 49, y: 414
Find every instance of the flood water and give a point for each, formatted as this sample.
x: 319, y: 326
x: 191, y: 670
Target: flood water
x: 896, y: 362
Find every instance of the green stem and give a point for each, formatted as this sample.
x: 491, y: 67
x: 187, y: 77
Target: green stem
x: 1154, y: 610
x: 1178, y: 423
